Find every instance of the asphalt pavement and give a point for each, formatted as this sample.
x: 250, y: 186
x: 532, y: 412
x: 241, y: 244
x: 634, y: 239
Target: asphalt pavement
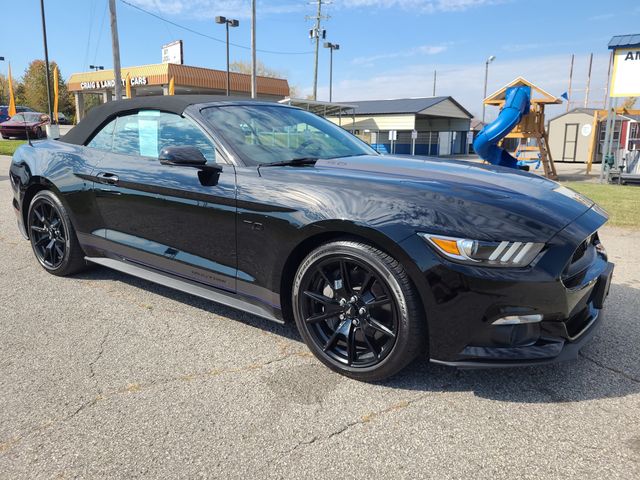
x: 107, y: 376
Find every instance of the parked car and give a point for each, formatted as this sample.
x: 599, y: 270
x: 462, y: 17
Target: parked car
x: 21, y: 125
x: 278, y: 212
x: 4, y: 111
x: 62, y: 119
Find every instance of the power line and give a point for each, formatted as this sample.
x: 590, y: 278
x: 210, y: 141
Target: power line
x: 104, y: 14
x: 204, y: 35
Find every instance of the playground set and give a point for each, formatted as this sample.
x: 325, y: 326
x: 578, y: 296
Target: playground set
x: 521, y: 116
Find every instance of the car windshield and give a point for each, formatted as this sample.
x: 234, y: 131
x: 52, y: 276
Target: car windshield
x: 26, y: 117
x: 271, y: 133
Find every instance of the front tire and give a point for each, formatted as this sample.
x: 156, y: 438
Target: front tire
x: 53, y: 238
x: 357, y: 310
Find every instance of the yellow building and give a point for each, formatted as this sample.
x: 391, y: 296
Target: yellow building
x: 154, y: 80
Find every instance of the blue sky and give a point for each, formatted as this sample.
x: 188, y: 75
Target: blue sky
x: 389, y: 48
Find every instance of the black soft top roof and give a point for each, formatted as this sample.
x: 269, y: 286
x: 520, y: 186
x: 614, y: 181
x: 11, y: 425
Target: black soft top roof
x: 102, y: 114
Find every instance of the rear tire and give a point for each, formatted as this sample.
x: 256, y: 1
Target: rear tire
x: 53, y: 238
x: 357, y: 310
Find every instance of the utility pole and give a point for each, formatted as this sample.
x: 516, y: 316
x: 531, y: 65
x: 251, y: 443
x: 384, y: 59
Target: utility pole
x: 605, y: 103
x: 570, y: 82
x: 115, y: 46
x: 586, y: 93
x: 434, y: 82
x: 46, y: 59
x: 254, y: 63
x: 316, y: 33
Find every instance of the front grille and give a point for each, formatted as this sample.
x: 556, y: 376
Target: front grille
x: 580, y: 260
x: 579, y: 253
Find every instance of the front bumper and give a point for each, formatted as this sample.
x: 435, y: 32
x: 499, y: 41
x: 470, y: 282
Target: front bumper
x: 557, y: 340
x: 462, y: 302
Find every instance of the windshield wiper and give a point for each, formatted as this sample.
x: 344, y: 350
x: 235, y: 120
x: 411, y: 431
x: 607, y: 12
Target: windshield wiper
x: 294, y: 162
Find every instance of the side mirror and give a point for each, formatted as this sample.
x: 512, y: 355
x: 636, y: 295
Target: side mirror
x: 184, y: 156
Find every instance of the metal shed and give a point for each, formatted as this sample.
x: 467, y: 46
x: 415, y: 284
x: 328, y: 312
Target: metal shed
x: 441, y: 125
x: 570, y: 135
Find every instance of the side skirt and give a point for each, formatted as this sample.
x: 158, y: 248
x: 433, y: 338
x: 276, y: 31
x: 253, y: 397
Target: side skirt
x: 224, y: 298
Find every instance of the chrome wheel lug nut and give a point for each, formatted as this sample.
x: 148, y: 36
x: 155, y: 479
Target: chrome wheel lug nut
x: 354, y: 299
x: 356, y: 322
x: 362, y: 311
x: 342, y: 316
x: 343, y: 302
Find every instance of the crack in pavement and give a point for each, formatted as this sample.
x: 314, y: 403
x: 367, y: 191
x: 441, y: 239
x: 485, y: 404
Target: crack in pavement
x: 135, y: 388
x: 367, y: 418
x: 611, y: 369
x: 92, y: 372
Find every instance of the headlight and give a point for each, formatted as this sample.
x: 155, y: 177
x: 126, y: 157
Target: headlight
x: 492, y: 254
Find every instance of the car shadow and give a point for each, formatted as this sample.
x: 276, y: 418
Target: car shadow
x: 604, y: 369
x: 287, y: 330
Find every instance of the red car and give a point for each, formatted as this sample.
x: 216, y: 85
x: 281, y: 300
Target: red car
x: 32, y: 122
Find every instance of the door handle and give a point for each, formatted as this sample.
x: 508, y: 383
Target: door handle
x: 108, y: 178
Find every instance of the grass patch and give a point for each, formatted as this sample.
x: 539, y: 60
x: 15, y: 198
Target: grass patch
x: 8, y: 147
x: 621, y: 202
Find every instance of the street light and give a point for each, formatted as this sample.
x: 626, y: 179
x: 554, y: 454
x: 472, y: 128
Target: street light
x: 331, y: 47
x: 228, y: 22
x: 96, y: 67
x: 486, y: 78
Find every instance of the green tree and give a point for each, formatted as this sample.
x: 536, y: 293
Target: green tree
x: 34, y: 89
x: 629, y: 103
x: 262, y: 71
x: 4, y: 89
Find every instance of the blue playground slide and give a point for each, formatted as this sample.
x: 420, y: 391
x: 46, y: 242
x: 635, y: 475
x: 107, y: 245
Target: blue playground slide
x: 517, y: 103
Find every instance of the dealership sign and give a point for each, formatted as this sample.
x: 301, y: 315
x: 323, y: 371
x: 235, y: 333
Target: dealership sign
x: 106, y: 84
x: 172, y: 52
x: 625, y: 80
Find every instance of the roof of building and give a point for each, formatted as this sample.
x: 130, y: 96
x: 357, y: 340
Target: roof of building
x: 102, y: 114
x: 588, y: 111
x: 622, y: 41
x: 400, y: 105
x: 538, y: 95
x: 184, y: 75
x: 592, y: 111
x: 319, y: 107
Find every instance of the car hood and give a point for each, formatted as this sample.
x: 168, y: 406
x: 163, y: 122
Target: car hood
x: 462, y: 198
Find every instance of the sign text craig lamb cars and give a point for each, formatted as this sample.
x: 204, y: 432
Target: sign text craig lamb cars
x: 104, y: 84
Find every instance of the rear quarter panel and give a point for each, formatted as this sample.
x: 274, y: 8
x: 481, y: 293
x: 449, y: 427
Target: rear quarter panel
x: 62, y: 168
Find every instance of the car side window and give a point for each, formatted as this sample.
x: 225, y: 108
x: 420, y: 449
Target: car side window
x: 147, y: 132
x: 126, y: 137
x: 103, y: 140
x: 177, y: 131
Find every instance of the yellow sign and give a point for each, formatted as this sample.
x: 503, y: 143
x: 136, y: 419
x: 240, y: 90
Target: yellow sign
x: 12, y: 100
x: 625, y: 80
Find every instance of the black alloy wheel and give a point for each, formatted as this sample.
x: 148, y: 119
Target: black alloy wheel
x: 52, y: 235
x: 49, y: 235
x: 357, y: 311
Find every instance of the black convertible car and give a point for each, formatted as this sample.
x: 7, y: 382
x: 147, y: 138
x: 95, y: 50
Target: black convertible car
x: 280, y: 213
